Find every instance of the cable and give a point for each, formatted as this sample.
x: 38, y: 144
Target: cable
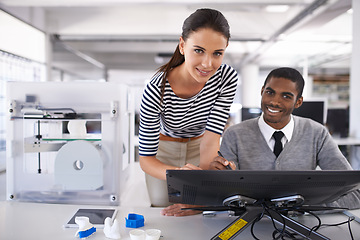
x: 350, y: 231
x: 350, y: 219
x: 284, y: 234
x: 315, y: 228
x: 278, y: 233
x: 259, y: 217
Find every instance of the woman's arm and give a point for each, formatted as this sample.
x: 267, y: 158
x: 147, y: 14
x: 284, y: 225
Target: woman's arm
x: 152, y: 166
x: 218, y: 117
x: 209, y: 146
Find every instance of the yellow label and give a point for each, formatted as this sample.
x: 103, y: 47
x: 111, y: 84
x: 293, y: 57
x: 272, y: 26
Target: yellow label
x: 234, y: 228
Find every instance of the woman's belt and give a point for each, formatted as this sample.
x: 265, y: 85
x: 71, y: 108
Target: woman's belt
x: 167, y: 138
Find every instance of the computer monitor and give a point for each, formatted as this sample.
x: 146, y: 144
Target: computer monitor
x: 338, y: 122
x: 212, y: 187
x: 313, y: 109
x: 248, y: 113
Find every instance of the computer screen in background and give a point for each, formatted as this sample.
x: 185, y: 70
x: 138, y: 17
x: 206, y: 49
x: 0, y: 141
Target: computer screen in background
x: 338, y: 122
x: 248, y: 113
x: 313, y: 109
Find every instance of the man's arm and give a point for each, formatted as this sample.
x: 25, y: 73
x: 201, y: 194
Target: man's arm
x: 221, y: 161
x: 350, y: 201
x: 331, y: 158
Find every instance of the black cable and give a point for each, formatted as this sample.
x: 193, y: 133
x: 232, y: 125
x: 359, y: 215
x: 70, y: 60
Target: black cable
x: 350, y: 219
x: 258, y: 218
x: 350, y: 231
x: 315, y: 228
x: 283, y: 233
x: 302, y: 211
x: 252, y: 227
x: 338, y: 224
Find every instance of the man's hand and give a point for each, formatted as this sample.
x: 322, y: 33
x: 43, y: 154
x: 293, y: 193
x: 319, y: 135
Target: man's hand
x: 175, y: 210
x: 220, y: 163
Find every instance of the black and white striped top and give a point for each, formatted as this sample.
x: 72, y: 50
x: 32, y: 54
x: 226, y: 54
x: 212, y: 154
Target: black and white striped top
x: 184, y: 118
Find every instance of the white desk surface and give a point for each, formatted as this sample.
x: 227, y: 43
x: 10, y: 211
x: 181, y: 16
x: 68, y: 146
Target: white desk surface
x: 347, y: 141
x: 37, y: 221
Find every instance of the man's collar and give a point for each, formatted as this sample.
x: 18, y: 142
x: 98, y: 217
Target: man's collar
x: 267, y: 131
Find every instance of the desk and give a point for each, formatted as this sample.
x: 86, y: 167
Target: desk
x: 351, y: 151
x: 37, y: 221
x: 351, y: 141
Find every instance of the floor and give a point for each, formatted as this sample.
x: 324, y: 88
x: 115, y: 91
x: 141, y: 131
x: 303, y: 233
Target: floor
x: 134, y: 193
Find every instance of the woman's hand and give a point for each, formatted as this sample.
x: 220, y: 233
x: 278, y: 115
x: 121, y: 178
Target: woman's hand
x: 189, y: 166
x: 175, y: 210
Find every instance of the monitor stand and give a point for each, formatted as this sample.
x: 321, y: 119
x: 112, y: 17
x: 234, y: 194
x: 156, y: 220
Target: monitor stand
x: 251, y: 214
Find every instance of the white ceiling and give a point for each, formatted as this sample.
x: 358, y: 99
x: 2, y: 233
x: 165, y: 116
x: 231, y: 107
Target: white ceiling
x: 131, y: 34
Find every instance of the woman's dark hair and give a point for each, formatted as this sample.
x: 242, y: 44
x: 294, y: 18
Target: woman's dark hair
x: 201, y: 18
x: 288, y: 73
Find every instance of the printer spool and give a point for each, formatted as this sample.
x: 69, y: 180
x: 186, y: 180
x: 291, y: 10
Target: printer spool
x: 78, y: 166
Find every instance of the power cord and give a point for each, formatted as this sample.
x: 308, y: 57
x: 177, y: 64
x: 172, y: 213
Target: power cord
x: 283, y: 234
x: 278, y: 233
x: 350, y: 219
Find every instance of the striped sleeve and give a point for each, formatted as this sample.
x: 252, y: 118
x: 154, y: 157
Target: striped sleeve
x: 150, y: 118
x: 220, y: 111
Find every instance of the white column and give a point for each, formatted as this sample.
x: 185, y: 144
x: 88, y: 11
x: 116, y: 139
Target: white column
x: 49, y: 57
x: 355, y: 73
x: 250, y: 89
x: 307, y: 93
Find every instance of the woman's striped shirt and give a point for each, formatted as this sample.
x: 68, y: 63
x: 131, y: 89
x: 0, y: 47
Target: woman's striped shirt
x: 184, y: 118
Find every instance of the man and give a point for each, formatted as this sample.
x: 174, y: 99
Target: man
x: 303, y: 143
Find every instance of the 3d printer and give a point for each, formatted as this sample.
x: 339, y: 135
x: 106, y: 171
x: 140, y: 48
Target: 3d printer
x: 67, y: 142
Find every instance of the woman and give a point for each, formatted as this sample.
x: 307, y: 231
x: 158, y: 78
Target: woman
x: 185, y: 106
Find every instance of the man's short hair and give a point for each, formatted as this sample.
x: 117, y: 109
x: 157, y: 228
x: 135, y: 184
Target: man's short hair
x: 291, y: 74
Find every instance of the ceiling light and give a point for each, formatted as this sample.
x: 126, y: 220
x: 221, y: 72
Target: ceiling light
x: 277, y: 8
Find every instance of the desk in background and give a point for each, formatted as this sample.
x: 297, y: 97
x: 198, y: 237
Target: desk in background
x: 350, y: 147
x: 347, y: 141
x: 37, y: 221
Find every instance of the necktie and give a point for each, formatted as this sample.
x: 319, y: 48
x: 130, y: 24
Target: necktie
x: 278, y: 145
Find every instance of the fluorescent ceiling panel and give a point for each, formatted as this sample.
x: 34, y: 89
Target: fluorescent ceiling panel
x: 21, y: 39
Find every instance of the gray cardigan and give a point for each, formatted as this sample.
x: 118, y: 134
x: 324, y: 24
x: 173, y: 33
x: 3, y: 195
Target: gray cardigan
x: 311, y: 145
